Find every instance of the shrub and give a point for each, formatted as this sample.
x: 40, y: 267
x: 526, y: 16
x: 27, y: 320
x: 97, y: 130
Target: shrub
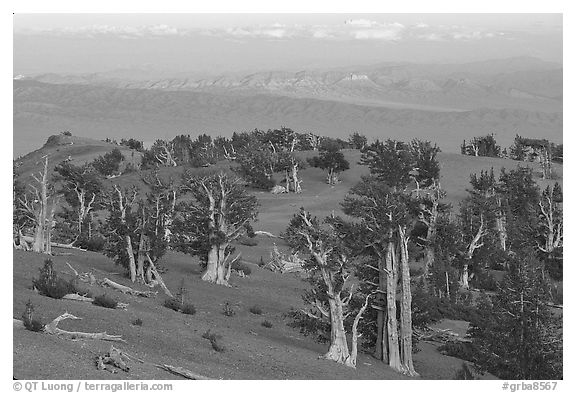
x: 49, y: 284
x: 188, y: 308
x: 105, y: 301
x: 228, y: 310
x: 256, y: 310
x: 79, y: 288
x: 218, y: 347
x: 416, y: 271
x: 137, y: 322
x: 464, y: 373
x: 242, y: 267
x: 208, y: 335
x: 267, y: 324
x: 31, y: 323
x: 66, y: 133
x: 485, y: 280
x: 109, y: 163
x: 261, y: 263
x: 172, y: 304
x: 95, y: 243
x: 214, y: 340
x: 460, y: 350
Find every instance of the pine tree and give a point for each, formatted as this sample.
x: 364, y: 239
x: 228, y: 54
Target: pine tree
x: 518, y: 337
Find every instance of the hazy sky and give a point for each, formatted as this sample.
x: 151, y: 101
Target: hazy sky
x: 218, y: 43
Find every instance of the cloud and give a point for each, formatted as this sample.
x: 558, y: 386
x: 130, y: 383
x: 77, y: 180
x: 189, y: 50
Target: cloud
x: 353, y: 29
x: 118, y: 31
x: 361, y: 23
x: 276, y: 31
x: 385, y: 32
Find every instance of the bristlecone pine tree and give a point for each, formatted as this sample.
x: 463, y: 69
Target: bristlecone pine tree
x: 217, y: 211
x: 122, y: 226
x: 38, y: 208
x: 82, y: 189
x: 331, y: 160
x: 329, y: 267
x: 518, y: 337
x: 384, y: 237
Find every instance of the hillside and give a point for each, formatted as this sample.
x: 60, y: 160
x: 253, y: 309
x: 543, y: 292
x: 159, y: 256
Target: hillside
x: 77, y: 150
x: 252, y: 350
x: 42, y: 109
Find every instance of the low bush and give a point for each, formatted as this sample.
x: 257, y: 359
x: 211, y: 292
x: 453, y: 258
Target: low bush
x: 49, y: 284
x: 228, y: 310
x: 208, y: 335
x: 105, y: 301
x: 255, y: 310
x: 460, y: 350
x: 485, y: 280
x: 464, y: 373
x: 178, y: 305
x: 267, y: 324
x: 217, y: 346
x: 30, y: 322
x: 137, y: 322
x: 214, y: 340
x: 95, y: 243
x: 188, y: 308
x: 242, y: 267
x: 173, y: 304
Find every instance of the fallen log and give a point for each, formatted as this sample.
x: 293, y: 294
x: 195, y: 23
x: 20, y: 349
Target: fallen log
x: 264, y: 233
x: 30, y: 239
x: 84, y: 277
x: 182, y: 372
x: 18, y: 324
x: 77, y: 297
x: 52, y: 328
x: 126, y: 290
x: 114, y: 358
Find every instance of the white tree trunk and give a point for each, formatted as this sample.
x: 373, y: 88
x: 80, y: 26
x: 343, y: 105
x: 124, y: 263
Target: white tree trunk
x: 406, y: 308
x: 392, y: 323
x: 338, y: 350
x: 216, y: 268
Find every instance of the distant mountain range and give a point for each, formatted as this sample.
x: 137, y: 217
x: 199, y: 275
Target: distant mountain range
x: 444, y: 103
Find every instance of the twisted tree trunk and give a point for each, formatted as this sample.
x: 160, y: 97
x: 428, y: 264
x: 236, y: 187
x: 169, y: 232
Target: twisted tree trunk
x: 405, y: 308
x: 392, y: 323
x: 338, y: 350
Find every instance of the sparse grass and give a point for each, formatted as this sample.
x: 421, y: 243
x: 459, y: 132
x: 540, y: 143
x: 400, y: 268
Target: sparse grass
x: 267, y: 324
x: 256, y: 310
x: 228, y: 310
x: 137, y: 322
x: 105, y: 301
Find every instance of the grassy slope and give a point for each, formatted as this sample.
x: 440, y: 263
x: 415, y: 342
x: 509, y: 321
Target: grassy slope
x: 173, y: 338
x: 80, y: 150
